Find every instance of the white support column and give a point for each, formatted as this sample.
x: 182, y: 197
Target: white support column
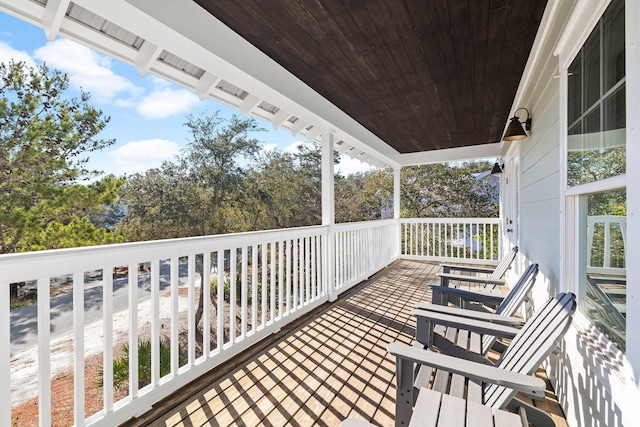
x: 396, y: 208
x: 328, y: 209
x: 396, y: 192
x: 328, y: 202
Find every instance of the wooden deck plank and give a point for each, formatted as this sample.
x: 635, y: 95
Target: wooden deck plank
x: 330, y: 365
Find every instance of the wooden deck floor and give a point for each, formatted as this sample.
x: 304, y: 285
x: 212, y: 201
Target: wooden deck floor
x: 328, y: 366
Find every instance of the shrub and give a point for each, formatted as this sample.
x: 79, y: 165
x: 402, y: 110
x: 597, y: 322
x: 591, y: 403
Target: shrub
x: 121, y: 364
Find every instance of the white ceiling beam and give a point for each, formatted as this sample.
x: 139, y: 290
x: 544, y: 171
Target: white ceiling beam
x: 279, y: 118
x: 53, y: 16
x: 206, y: 84
x: 249, y: 103
x: 27, y: 10
x: 146, y: 56
x: 459, y: 154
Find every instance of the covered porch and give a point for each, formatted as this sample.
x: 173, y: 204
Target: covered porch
x: 394, y: 87
x: 327, y: 366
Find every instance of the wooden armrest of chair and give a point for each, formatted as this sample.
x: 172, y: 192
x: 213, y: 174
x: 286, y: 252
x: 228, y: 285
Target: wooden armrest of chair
x: 447, y: 277
x: 468, y: 324
x: 470, y: 314
x: 528, y: 385
x: 466, y: 295
x: 447, y: 268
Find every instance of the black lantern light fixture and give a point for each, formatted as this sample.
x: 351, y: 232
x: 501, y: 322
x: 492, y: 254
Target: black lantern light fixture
x: 515, y: 131
x: 497, y: 169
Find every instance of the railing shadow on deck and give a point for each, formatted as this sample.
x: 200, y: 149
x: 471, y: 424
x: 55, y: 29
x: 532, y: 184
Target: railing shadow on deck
x: 330, y: 365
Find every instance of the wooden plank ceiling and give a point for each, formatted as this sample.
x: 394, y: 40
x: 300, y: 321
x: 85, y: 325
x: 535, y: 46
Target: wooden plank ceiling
x: 420, y: 74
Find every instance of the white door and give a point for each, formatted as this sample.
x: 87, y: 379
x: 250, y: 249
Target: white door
x: 510, y: 200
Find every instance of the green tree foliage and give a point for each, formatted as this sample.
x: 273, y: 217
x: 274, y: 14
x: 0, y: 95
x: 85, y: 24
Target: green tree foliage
x: 193, y: 195
x: 196, y: 194
x: 447, y: 190
x: 283, y: 190
x: 584, y: 166
x: 43, y: 136
x: 364, y: 196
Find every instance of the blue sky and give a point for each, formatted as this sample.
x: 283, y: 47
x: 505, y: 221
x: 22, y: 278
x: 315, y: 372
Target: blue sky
x: 147, y: 113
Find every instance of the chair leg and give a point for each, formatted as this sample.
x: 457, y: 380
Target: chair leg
x: 404, y: 391
x: 535, y: 416
x: 437, y: 297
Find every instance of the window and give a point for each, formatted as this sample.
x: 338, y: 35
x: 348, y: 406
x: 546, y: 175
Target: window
x: 604, y: 252
x: 596, y: 151
x: 596, y: 103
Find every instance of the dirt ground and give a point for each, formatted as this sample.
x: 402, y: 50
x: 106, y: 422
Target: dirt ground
x: 26, y: 413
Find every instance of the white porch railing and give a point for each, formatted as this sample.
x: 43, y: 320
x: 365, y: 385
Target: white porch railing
x: 472, y: 240
x: 362, y: 249
x: 122, y: 293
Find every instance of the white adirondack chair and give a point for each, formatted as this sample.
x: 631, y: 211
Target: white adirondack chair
x: 496, y: 277
x: 479, y: 380
x: 430, y: 333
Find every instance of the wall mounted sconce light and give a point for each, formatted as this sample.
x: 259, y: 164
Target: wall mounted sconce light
x: 514, y: 129
x: 497, y: 169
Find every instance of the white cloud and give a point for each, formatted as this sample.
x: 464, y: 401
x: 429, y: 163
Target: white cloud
x: 295, y: 147
x: 86, y: 69
x: 347, y: 166
x: 7, y: 53
x: 166, y: 102
x: 139, y: 156
x: 270, y: 147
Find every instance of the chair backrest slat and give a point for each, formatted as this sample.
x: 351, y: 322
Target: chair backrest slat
x: 504, y: 265
x: 512, y: 302
x: 535, y: 341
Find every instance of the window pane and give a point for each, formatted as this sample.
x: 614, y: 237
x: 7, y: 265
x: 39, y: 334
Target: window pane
x: 613, y: 63
x: 575, y: 88
x: 616, y: 116
x: 604, y: 255
x: 596, y: 103
x: 591, y: 69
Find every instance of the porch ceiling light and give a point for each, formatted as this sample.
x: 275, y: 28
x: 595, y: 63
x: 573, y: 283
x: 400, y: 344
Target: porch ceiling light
x: 515, y: 131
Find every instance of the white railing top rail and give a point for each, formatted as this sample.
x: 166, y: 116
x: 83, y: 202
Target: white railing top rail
x: 29, y: 265
x: 450, y: 220
x: 15, y: 267
x: 363, y: 224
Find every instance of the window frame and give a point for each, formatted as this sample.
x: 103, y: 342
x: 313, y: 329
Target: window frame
x: 573, y: 199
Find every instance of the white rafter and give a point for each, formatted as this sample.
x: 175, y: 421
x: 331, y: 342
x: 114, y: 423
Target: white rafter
x: 313, y: 133
x: 297, y: 127
x: 52, y: 17
x: 279, y: 118
x: 248, y: 104
x: 147, y: 55
x: 206, y: 84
